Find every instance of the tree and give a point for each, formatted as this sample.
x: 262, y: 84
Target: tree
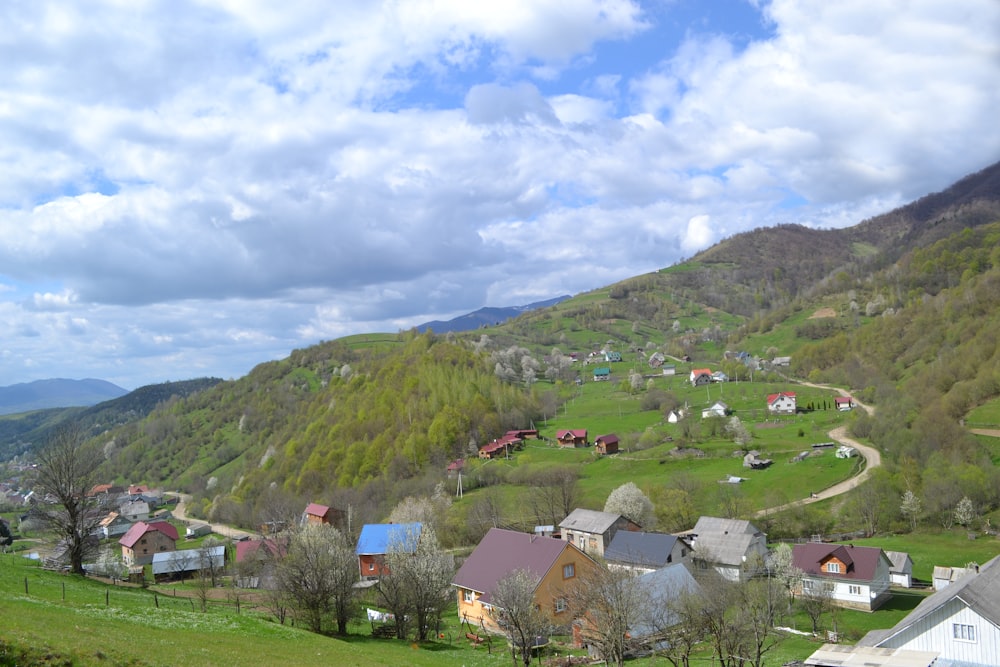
x: 784, y: 572
x: 65, y: 471
x: 318, y: 575
x: 910, y: 507
x: 738, y: 432
x: 514, y: 610
x: 965, y: 511
x: 674, y: 509
x: 609, y: 603
x: 629, y: 501
x: 554, y: 494
x: 422, y: 572
x: 816, y: 600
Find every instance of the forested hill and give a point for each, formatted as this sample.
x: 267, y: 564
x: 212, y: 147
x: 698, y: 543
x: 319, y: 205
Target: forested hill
x: 367, y: 420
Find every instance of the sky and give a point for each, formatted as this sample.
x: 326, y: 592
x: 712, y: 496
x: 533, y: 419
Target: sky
x: 190, y: 188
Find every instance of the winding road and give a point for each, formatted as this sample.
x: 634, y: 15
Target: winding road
x: 179, y: 513
x: 873, y: 459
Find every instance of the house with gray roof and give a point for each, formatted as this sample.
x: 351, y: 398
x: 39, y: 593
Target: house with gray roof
x: 734, y: 548
x: 960, y: 622
x: 592, y: 531
x: 644, y: 552
x: 181, y: 564
x: 857, y: 577
x: 901, y: 572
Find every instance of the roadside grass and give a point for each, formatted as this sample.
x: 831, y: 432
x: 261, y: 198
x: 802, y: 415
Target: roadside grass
x: 986, y: 415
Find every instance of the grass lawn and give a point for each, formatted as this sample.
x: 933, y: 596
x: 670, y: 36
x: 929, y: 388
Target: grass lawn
x: 928, y: 548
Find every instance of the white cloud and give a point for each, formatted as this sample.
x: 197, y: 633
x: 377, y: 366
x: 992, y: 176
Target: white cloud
x: 200, y: 186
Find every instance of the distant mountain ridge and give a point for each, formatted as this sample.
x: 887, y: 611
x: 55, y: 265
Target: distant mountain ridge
x: 56, y: 393
x: 486, y: 317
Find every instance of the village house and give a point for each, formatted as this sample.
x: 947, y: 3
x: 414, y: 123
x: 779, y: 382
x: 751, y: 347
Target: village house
x: 960, y: 623
x: 857, y: 577
x: 592, y: 531
x: 378, y: 539
x: 734, y: 548
x: 255, y: 560
x: 558, y: 565
x: 502, y: 446
x: 701, y: 376
x: 319, y: 515
x: 606, y: 444
x: 454, y: 468
x: 602, y: 373
x: 572, y: 438
x: 782, y: 403
x: 134, y: 510
x: 113, y: 524
x: 901, y: 570
x: 843, y: 403
x: 943, y: 576
x: 644, y: 552
x: 717, y: 409
x: 143, y: 540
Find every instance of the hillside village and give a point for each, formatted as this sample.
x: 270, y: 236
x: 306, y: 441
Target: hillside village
x: 631, y: 474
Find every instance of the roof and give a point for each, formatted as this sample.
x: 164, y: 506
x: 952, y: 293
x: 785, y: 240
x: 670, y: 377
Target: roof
x: 664, y: 586
x: 861, y: 562
x: 608, y: 439
x: 700, y: 371
x: 898, y: 560
x: 771, y: 398
x: 724, y: 541
x: 315, y: 509
x: 248, y: 548
x: 572, y: 433
x: 979, y: 591
x: 589, y: 521
x: 501, y: 552
x: 141, y: 528
x: 842, y: 399
x: 377, y: 538
x: 830, y: 655
x: 188, y: 560
x: 644, y: 549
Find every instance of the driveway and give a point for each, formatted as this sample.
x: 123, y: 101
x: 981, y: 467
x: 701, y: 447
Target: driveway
x: 179, y: 513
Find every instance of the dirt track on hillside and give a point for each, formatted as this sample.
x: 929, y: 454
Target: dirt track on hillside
x: 180, y: 514
x: 873, y: 459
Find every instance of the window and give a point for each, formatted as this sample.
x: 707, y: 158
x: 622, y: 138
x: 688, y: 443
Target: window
x: 593, y: 543
x: 468, y: 596
x: 560, y: 605
x: 371, y: 567
x: 833, y: 567
x: 569, y: 571
x: 854, y: 590
x: 966, y: 633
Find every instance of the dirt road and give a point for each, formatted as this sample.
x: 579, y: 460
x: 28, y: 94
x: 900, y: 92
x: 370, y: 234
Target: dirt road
x: 873, y: 459
x: 179, y: 513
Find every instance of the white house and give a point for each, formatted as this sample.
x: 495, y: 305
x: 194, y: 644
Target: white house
x: 732, y: 547
x: 717, y: 409
x: 945, y: 576
x: 960, y: 622
x: 857, y: 577
x: 782, y: 403
x: 846, y: 452
x: 901, y: 572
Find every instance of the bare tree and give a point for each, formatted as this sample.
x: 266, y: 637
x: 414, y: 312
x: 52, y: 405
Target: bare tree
x: 784, y: 572
x: 554, y: 494
x: 608, y: 604
x: 318, y: 575
x: 65, y: 472
x: 816, y: 599
x: 514, y: 609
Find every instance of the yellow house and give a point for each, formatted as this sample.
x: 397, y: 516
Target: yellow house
x: 559, y: 566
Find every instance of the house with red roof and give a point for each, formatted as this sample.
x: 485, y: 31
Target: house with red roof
x: 857, y: 577
x: 843, y: 403
x: 700, y: 376
x: 556, y: 565
x: 318, y: 515
x: 143, y: 540
x: 782, y: 403
x: 502, y: 446
x: 572, y: 437
x: 606, y: 444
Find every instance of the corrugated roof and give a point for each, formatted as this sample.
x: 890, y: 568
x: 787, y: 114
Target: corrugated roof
x: 377, y: 538
x: 861, y: 562
x: 835, y: 655
x: 898, y: 560
x: 501, y: 552
x: 665, y: 586
x: 642, y: 549
x: 589, y: 521
x: 188, y: 560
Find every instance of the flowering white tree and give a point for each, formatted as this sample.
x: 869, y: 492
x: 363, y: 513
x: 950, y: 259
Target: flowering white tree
x: 629, y: 501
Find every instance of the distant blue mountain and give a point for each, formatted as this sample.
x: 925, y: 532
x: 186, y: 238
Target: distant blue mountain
x: 486, y: 317
x: 56, y: 393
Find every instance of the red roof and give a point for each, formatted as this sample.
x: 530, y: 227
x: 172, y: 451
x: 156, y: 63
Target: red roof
x: 773, y: 397
x: 572, y: 433
x: 609, y: 439
x: 141, y: 528
x: 860, y: 563
x: 138, y: 489
x: 842, y: 399
x: 701, y: 371
x: 247, y: 548
x: 315, y: 509
x: 456, y: 465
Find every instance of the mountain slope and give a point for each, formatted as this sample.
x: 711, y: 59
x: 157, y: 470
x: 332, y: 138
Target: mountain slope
x: 486, y: 317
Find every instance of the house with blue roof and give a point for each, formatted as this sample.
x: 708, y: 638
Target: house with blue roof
x: 378, y: 539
